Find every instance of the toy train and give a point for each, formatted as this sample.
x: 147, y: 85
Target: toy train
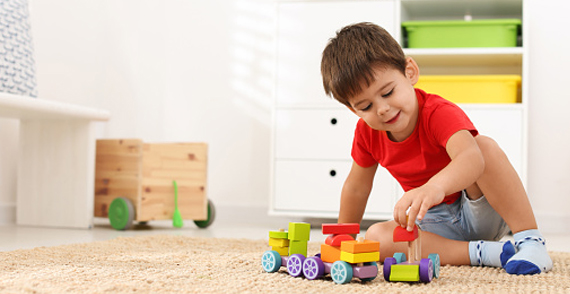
x: 344, y: 258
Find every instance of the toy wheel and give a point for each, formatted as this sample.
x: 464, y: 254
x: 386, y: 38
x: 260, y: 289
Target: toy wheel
x: 388, y: 262
x: 121, y: 213
x: 211, y: 216
x: 426, y: 270
x: 313, y: 268
x: 270, y: 261
x: 371, y: 278
x: 295, y: 265
x: 400, y: 257
x: 341, y: 272
x: 436, y: 264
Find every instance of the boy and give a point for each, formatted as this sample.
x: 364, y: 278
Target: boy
x: 460, y: 186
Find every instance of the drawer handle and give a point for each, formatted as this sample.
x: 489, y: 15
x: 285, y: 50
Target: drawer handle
x: 334, y: 121
x: 332, y: 173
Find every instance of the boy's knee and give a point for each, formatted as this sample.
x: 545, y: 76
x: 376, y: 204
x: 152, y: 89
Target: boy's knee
x: 380, y: 231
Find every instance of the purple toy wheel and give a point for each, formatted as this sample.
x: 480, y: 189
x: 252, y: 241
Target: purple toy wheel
x: 313, y: 268
x: 295, y: 265
x: 388, y: 262
x: 426, y: 270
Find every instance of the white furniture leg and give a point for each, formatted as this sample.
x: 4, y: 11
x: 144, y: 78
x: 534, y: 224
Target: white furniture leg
x: 56, y: 172
x: 56, y: 161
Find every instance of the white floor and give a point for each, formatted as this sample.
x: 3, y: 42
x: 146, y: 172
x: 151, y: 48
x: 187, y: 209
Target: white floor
x: 14, y: 237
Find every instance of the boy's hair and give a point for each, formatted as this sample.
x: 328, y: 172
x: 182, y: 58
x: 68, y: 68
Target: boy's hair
x: 349, y: 59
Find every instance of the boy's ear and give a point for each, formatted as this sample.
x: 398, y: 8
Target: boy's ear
x: 412, y: 70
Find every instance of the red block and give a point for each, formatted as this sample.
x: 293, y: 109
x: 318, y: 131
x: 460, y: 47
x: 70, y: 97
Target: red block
x: 402, y: 235
x: 335, y: 240
x: 338, y: 229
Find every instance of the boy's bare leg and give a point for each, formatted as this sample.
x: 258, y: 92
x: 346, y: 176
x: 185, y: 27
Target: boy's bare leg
x: 450, y: 251
x: 503, y: 189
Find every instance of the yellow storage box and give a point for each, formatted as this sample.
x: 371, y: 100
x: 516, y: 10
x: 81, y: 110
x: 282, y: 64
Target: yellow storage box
x: 473, y: 88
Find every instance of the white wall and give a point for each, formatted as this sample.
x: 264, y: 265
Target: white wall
x: 176, y: 70
x: 195, y: 70
x: 549, y: 128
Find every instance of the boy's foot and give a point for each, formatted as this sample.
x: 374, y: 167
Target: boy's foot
x: 490, y: 253
x: 531, y: 257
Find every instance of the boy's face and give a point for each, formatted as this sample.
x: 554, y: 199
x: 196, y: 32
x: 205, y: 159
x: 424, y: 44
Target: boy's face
x: 389, y: 103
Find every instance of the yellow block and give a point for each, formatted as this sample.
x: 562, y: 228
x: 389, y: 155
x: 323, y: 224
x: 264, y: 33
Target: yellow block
x: 278, y: 242
x: 283, y: 251
x: 360, y: 257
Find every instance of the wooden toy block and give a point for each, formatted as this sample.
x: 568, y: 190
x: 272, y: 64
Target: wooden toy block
x: 144, y: 173
x: 337, y: 229
x: 281, y: 234
x: 283, y: 251
x: 336, y: 240
x: 405, y: 272
x: 403, y: 235
x: 298, y: 247
x: 360, y: 257
x: 330, y: 253
x: 363, y: 246
x: 299, y: 231
x: 278, y: 242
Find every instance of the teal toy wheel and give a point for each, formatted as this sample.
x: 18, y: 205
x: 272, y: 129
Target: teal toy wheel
x: 121, y: 213
x: 400, y: 257
x: 436, y: 264
x: 341, y: 272
x: 271, y: 261
x: 211, y: 216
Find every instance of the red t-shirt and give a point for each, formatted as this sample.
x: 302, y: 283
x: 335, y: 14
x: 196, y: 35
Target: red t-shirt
x: 415, y: 160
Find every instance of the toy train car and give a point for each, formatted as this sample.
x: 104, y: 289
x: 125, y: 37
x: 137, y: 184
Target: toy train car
x: 342, y: 264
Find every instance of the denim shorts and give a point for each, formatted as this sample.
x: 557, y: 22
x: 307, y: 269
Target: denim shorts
x: 465, y: 220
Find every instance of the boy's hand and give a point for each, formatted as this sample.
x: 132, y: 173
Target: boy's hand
x: 416, y: 203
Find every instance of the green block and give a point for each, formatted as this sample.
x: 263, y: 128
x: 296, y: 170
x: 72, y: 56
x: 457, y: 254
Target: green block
x: 405, y: 273
x: 278, y: 234
x: 299, y: 231
x: 298, y: 247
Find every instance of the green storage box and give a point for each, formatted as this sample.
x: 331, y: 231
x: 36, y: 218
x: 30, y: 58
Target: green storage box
x: 460, y: 33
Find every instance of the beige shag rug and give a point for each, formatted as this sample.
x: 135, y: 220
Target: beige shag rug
x: 179, y: 264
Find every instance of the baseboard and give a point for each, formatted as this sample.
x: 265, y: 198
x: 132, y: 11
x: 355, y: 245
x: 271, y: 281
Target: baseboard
x: 7, y: 213
x: 250, y: 215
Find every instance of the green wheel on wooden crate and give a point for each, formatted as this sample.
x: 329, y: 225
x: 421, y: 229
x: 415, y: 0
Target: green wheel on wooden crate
x: 211, y: 216
x: 121, y: 213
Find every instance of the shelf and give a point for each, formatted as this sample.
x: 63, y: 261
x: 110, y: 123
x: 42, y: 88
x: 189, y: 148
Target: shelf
x: 509, y: 56
x: 454, y: 9
x: 22, y: 107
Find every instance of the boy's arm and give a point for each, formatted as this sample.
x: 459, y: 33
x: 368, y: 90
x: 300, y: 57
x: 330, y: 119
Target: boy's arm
x: 465, y: 168
x: 355, y: 193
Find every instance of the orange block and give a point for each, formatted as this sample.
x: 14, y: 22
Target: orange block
x: 336, y: 240
x: 330, y: 253
x: 363, y: 246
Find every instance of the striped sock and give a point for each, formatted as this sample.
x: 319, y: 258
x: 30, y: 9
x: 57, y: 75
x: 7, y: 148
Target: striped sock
x: 490, y: 253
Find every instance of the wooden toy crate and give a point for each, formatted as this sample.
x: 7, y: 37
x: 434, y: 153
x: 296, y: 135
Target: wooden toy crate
x: 143, y: 174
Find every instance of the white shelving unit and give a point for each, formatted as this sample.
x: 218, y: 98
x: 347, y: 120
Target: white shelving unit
x: 506, y: 123
x: 312, y: 133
